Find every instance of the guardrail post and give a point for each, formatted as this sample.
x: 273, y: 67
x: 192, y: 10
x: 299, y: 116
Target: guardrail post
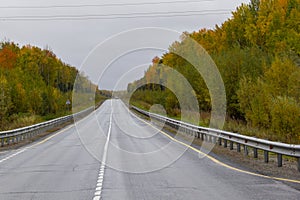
x: 202, y: 136
x: 210, y: 139
x: 279, y: 160
x: 255, y: 153
x: 2, y: 142
x: 238, y: 147
x: 206, y: 137
x: 266, y: 156
x: 231, y: 145
x: 246, y: 150
x: 220, y: 141
x: 225, y: 143
x: 298, y: 159
x: 213, y: 140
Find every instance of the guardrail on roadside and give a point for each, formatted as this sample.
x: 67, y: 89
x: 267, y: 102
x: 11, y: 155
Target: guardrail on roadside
x: 230, y: 139
x: 20, y: 134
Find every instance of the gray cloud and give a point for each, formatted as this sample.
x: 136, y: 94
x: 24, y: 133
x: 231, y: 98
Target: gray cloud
x: 72, y: 40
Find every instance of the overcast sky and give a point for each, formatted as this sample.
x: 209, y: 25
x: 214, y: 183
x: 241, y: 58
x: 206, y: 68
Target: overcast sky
x: 73, y: 28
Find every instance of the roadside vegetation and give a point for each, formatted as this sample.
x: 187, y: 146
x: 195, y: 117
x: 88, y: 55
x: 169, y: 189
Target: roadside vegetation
x: 35, y: 86
x: 257, y: 52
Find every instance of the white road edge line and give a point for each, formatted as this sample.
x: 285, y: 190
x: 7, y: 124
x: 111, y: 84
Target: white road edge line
x: 98, y: 190
x: 44, y: 140
x: 13, y: 155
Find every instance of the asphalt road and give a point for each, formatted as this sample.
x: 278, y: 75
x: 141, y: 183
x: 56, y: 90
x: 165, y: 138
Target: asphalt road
x: 111, y: 154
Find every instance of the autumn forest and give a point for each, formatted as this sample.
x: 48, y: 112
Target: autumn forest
x: 257, y: 52
x: 35, y: 85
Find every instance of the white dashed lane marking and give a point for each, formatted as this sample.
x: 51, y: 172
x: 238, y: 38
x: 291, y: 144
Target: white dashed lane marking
x: 98, y: 190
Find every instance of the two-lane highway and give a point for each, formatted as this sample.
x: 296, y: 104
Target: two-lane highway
x: 139, y: 163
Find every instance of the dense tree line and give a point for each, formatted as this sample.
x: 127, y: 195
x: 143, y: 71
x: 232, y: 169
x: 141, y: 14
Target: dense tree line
x: 34, y: 83
x: 257, y: 52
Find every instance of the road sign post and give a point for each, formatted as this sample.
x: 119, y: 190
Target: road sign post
x: 68, y: 103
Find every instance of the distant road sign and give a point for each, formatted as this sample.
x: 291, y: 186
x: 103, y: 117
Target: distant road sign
x: 68, y: 102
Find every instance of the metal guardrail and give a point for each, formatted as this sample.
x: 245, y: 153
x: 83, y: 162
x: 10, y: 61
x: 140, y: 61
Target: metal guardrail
x: 20, y: 134
x: 230, y: 139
